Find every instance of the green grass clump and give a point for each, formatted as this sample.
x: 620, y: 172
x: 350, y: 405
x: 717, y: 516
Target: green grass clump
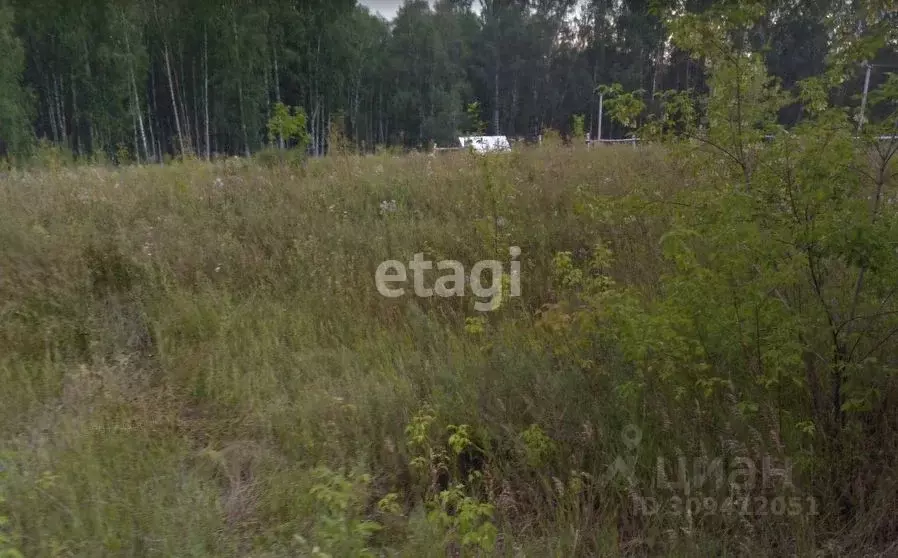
x: 195, y: 361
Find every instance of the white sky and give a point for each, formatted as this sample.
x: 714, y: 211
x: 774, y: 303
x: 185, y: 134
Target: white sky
x: 386, y: 8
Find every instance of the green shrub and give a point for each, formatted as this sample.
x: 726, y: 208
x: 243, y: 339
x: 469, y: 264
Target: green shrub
x: 272, y: 157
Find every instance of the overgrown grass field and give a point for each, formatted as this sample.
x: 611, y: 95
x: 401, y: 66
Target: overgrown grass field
x: 195, y: 361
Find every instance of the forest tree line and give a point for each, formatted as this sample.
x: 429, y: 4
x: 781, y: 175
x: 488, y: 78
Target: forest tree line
x: 145, y: 78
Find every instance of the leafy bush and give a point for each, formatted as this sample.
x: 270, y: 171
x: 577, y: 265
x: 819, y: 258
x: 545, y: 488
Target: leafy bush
x: 288, y: 124
x: 273, y: 157
x: 578, y: 127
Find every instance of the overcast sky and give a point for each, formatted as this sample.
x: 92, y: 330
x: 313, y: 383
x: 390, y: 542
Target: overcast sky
x: 387, y: 8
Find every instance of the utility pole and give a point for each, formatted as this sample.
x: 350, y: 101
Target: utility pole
x: 863, y: 115
x: 601, y: 109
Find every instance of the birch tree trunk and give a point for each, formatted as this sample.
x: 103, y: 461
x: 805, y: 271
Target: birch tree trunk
x: 380, y: 119
x: 60, y: 109
x: 51, y: 106
x: 75, y: 116
x: 240, y: 89
x: 180, y: 86
x: 134, y: 124
x: 90, y: 124
x: 174, y: 103
x: 135, y: 104
x: 356, y: 126
x: 156, y: 156
x: 153, y: 117
x: 243, y: 118
x: 196, y: 119
x: 277, y: 86
x: 265, y: 70
x: 206, y: 86
x: 314, y: 128
x: 143, y: 133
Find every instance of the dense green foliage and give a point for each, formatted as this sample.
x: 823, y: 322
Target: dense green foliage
x: 14, y: 100
x: 138, y: 79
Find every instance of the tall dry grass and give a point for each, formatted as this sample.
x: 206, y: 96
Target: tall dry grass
x: 184, y: 350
